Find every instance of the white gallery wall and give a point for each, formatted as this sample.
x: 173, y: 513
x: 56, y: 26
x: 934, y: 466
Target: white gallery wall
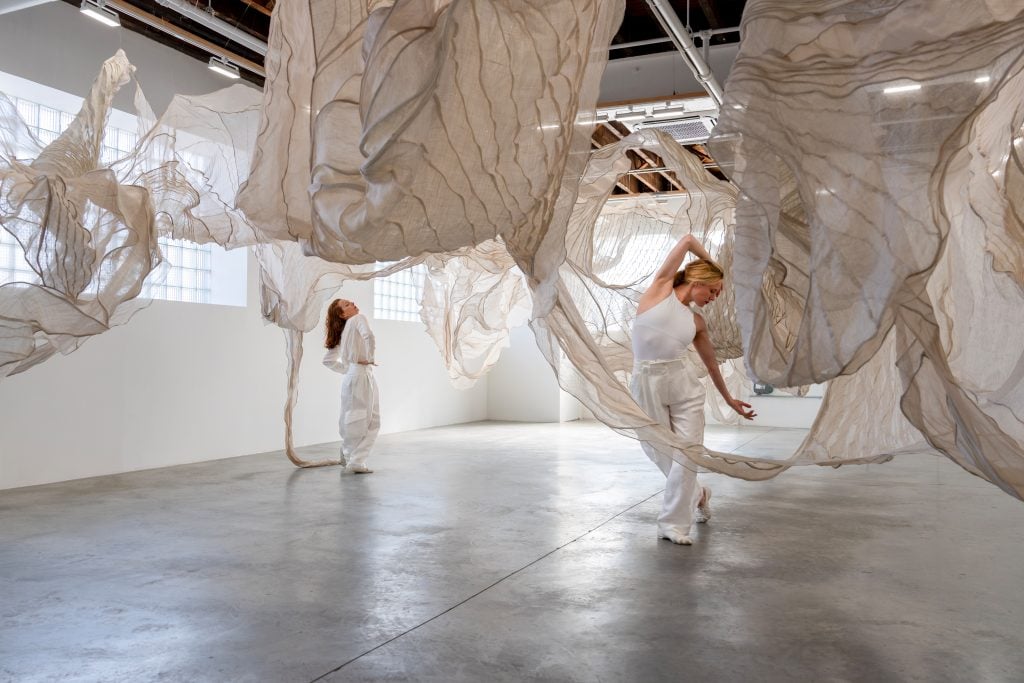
x: 192, y: 382
x: 522, y: 387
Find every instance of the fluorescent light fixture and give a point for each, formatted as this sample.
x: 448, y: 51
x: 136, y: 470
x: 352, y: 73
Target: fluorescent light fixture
x: 223, y: 67
x: 982, y: 79
x: 96, y: 9
x: 910, y: 87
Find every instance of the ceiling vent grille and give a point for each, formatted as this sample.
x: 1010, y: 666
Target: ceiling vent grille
x: 684, y: 130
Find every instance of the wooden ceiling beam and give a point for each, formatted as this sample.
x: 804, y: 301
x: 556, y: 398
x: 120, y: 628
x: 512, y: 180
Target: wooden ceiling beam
x: 651, y: 158
x: 258, y: 7
x: 642, y: 177
x: 708, y: 8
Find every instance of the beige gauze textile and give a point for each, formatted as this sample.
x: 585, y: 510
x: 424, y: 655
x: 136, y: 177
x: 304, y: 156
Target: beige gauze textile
x: 878, y: 153
x: 432, y: 132
x: 87, y: 240
x: 473, y: 125
x: 613, y: 249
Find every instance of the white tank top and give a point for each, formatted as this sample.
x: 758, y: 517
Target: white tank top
x: 664, y: 331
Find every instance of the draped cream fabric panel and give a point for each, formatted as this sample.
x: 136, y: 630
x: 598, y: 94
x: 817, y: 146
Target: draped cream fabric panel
x: 877, y: 150
x: 89, y: 240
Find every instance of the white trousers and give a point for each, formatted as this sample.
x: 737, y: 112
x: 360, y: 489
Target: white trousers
x: 671, y: 393
x: 360, y: 414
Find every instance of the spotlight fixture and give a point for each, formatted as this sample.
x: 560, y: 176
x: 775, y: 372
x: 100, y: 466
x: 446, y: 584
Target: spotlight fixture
x: 96, y: 9
x: 224, y: 67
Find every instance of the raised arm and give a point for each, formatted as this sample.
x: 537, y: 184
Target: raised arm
x: 674, y: 260
x: 702, y: 342
x: 664, y: 276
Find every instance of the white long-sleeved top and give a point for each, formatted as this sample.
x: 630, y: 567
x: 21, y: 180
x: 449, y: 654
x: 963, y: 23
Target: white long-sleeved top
x: 357, y: 344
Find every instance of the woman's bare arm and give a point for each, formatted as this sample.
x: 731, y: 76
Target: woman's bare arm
x: 702, y: 342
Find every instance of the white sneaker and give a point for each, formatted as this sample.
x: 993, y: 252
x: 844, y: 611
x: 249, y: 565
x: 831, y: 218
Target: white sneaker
x: 341, y: 458
x: 358, y: 469
x: 675, y: 536
x: 704, y: 507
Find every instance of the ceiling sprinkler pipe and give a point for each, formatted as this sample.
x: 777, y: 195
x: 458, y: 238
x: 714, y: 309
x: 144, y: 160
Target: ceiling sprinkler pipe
x: 669, y: 21
x: 167, y: 27
x: 214, y: 24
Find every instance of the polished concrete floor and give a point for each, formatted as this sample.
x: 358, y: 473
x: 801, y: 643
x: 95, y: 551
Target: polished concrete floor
x: 508, y: 552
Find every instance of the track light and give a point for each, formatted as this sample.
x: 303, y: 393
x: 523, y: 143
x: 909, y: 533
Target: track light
x: 224, y: 67
x: 96, y: 9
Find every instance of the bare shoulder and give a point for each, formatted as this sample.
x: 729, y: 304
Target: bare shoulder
x: 698, y: 321
x: 655, y: 294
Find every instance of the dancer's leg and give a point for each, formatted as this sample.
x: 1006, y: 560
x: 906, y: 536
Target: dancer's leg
x: 682, y: 493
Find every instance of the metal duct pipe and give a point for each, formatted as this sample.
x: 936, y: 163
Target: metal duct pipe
x: 214, y: 24
x: 190, y: 38
x: 679, y: 34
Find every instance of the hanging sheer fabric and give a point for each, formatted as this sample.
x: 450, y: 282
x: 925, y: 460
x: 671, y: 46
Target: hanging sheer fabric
x: 393, y: 131
x: 192, y: 159
x: 84, y: 240
x: 879, y: 161
x: 875, y: 238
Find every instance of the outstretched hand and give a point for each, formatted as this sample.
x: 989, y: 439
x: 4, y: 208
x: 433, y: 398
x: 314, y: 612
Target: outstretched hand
x: 742, y: 408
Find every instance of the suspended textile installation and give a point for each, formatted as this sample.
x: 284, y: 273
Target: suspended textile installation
x: 183, y: 175
x: 391, y: 132
x: 875, y: 238
x: 424, y: 126
x: 86, y: 241
x: 460, y: 139
x: 879, y: 161
x: 192, y: 160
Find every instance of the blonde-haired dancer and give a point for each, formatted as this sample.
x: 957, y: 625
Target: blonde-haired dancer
x: 667, y: 388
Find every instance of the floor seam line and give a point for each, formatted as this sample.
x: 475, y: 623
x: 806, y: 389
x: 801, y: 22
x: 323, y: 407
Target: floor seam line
x: 752, y: 439
x: 485, y: 588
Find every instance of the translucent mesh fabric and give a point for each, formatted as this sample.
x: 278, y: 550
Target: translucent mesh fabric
x: 471, y: 299
x: 88, y: 240
x: 192, y: 160
x: 424, y: 127
x: 875, y: 238
x: 389, y: 132
x: 880, y: 185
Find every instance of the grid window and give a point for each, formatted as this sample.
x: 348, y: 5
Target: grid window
x: 188, y: 275
x: 13, y: 266
x: 398, y: 296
